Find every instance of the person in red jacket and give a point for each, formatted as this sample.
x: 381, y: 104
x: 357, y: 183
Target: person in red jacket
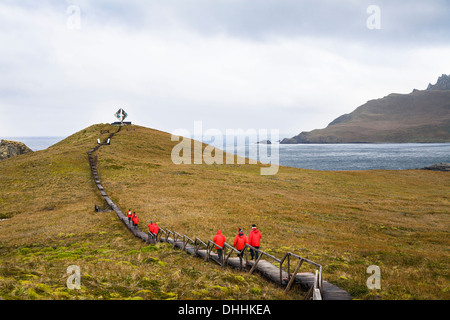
x: 219, y: 240
x: 151, y: 227
x: 135, y: 220
x: 239, y: 242
x: 254, y: 240
x: 129, y: 215
x: 155, y: 229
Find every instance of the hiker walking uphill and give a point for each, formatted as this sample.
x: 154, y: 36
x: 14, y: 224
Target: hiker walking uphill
x: 129, y: 215
x: 254, y: 240
x: 219, y: 240
x: 239, y: 242
x: 135, y: 220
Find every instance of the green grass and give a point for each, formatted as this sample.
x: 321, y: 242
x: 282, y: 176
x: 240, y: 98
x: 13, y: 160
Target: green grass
x: 346, y: 221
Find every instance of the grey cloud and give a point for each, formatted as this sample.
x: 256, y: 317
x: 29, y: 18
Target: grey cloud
x: 406, y: 22
x: 122, y: 54
x: 402, y: 21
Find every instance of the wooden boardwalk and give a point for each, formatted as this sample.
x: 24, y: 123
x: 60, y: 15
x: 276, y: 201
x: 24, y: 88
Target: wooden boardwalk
x: 305, y: 280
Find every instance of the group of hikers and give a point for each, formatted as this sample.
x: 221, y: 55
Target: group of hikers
x: 134, y: 219
x: 253, y: 239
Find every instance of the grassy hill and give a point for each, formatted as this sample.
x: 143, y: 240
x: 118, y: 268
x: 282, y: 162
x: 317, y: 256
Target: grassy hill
x: 421, y: 116
x: 346, y: 221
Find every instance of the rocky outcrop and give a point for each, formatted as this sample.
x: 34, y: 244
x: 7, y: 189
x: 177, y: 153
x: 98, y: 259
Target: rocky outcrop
x: 439, y: 167
x: 443, y: 83
x: 10, y: 149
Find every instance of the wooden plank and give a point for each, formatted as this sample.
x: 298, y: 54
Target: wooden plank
x: 333, y: 292
x: 236, y: 263
x: 201, y: 253
x: 270, y: 271
x: 305, y: 279
x: 329, y: 290
x: 190, y: 249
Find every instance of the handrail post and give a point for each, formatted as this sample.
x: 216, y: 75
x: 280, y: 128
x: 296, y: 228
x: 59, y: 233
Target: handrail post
x: 222, y: 256
x: 321, y: 281
x: 175, y: 236
x: 167, y: 235
x: 317, y: 294
x: 195, y: 247
x: 256, y: 262
x: 225, y: 262
x: 246, y: 253
x: 160, y: 232
x: 291, y: 281
x: 240, y: 259
x: 149, y: 236
x: 208, y: 251
x: 281, y: 268
x: 309, y: 294
x: 187, y: 239
x: 197, y: 244
x: 289, y: 266
x: 184, y: 243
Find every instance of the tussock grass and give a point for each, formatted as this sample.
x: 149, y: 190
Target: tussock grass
x: 346, y: 221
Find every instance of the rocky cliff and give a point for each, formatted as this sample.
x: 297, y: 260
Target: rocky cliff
x: 443, y: 83
x: 421, y: 116
x: 10, y: 149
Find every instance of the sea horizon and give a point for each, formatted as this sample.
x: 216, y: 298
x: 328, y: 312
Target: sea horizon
x: 329, y: 157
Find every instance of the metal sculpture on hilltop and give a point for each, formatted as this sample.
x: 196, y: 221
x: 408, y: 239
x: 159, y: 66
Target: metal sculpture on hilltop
x: 121, y: 115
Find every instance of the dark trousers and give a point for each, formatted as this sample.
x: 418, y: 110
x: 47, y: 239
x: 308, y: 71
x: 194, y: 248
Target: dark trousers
x: 219, y: 253
x: 254, y: 253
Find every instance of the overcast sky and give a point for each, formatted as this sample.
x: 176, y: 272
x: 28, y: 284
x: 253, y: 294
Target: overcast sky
x: 292, y: 65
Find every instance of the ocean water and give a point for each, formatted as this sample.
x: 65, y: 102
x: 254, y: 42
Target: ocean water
x: 36, y: 143
x: 367, y: 156
x: 336, y: 157
x: 320, y: 156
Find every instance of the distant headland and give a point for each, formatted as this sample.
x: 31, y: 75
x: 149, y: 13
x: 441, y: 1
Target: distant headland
x: 422, y: 116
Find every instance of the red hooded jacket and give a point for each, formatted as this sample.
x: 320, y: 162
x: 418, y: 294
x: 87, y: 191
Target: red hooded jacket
x: 254, y: 238
x: 239, y: 241
x: 155, y: 228
x: 151, y: 227
x: 219, y: 239
x: 135, y: 219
